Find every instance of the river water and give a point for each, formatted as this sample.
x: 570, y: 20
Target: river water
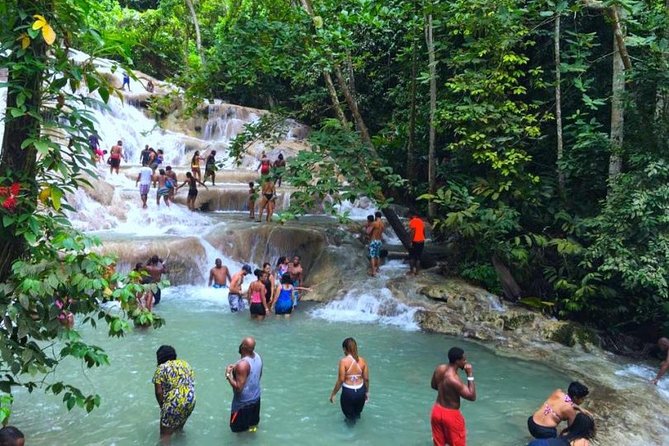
x: 300, y: 356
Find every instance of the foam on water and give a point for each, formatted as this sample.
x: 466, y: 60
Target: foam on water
x: 641, y: 374
x: 369, y: 306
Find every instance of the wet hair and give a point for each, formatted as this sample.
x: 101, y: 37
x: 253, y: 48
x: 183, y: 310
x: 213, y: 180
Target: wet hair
x: 370, y: 218
x: 165, y: 353
x: 266, y: 264
x: 162, y: 171
x: 189, y: 175
x: 247, y: 269
x: 160, y: 151
x: 455, y: 354
x: 351, y: 347
x: 280, y: 156
x: 213, y: 152
x: 378, y: 214
x: 197, y: 153
x: 258, y: 273
x: 583, y: 426
x: 9, y: 435
x: 577, y: 390
x: 217, y: 261
x: 139, y: 266
x: 168, y: 168
x: 251, y: 184
x: 281, y: 260
x: 153, y: 260
x: 285, y: 279
x: 119, y: 142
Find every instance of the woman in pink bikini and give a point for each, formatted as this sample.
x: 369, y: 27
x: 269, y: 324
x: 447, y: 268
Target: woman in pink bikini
x: 256, y: 297
x: 557, y: 408
x: 353, y: 378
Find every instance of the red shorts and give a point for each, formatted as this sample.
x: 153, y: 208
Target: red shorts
x: 448, y: 426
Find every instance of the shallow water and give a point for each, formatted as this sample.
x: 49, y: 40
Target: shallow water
x: 300, y: 356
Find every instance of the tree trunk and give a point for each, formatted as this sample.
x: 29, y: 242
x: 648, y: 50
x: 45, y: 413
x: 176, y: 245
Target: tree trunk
x: 332, y: 91
x: 431, y: 158
x: 662, y: 100
x: 389, y: 213
x: 198, y: 39
x: 617, y: 113
x: 511, y: 288
x: 558, y: 106
x: 19, y: 164
x: 353, y: 106
x: 410, y: 172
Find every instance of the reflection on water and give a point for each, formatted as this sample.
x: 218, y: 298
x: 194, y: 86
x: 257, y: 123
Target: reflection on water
x: 300, y: 357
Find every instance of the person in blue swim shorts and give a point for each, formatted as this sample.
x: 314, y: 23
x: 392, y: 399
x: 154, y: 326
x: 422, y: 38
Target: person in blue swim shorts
x: 219, y: 275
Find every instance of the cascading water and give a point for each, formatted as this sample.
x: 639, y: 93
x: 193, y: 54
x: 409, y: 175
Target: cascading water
x: 305, y: 348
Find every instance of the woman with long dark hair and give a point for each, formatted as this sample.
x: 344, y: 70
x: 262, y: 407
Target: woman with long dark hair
x: 353, y: 379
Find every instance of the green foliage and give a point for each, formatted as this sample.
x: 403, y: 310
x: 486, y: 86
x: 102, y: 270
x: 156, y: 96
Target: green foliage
x: 481, y: 274
x: 50, y: 273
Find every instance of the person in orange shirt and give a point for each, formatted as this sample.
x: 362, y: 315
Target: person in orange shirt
x: 417, y: 232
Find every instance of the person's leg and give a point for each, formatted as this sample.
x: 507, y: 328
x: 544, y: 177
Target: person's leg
x: 438, y: 434
x: 270, y: 210
x: 261, y: 208
x: 346, y: 403
x: 252, y: 209
x: 165, y: 435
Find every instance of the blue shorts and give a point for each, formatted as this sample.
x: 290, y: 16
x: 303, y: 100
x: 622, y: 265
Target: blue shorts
x: 236, y: 302
x: 163, y: 192
x: 375, y: 249
x: 218, y: 285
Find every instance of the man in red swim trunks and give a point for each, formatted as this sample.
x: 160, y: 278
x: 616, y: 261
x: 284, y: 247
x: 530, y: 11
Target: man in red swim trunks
x: 448, y: 424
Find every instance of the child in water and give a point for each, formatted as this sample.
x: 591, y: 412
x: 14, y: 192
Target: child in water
x: 253, y: 196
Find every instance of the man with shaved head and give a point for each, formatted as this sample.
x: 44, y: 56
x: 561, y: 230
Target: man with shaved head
x: 244, y: 378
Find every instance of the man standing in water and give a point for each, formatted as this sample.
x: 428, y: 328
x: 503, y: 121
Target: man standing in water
x: 244, y: 378
x: 448, y: 424
x: 297, y: 276
x: 375, y: 236
x: 663, y: 343
x: 144, y: 179
x: 417, y: 232
x: 235, y: 293
x: 219, y: 275
x: 115, y: 156
x: 155, y: 267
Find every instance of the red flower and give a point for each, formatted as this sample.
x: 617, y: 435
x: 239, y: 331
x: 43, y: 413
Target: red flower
x: 15, y: 188
x: 10, y: 203
x: 4, y: 191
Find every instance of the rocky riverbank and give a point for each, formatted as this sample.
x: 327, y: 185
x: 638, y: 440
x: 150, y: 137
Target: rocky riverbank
x: 628, y: 410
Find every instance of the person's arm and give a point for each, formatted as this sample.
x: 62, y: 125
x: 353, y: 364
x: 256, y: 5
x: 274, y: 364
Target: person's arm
x: 468, y: 392
x: 263, y: 293
x: 227, y: 274
x: 237, y: 375
x: 137, y: 180
x: 205, y: 186
x: 341, y: 376
x: 365, y: 379
x: 182, y: 184
x: 211, y: 277
x: 159, y: 393
x: 277, y: 291
x: 664, y: 367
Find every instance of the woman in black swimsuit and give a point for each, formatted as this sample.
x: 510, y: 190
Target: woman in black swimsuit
x: 192, y: 183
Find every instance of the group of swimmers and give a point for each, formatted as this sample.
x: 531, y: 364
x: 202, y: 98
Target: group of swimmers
x: 274, y: 291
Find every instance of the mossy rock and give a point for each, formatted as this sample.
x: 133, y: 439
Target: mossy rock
x: 570, y: 334
x: 515, y: 321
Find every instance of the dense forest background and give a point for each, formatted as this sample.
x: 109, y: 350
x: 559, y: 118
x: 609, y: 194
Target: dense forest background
x: 535, y: 131
x: 532, y: 134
